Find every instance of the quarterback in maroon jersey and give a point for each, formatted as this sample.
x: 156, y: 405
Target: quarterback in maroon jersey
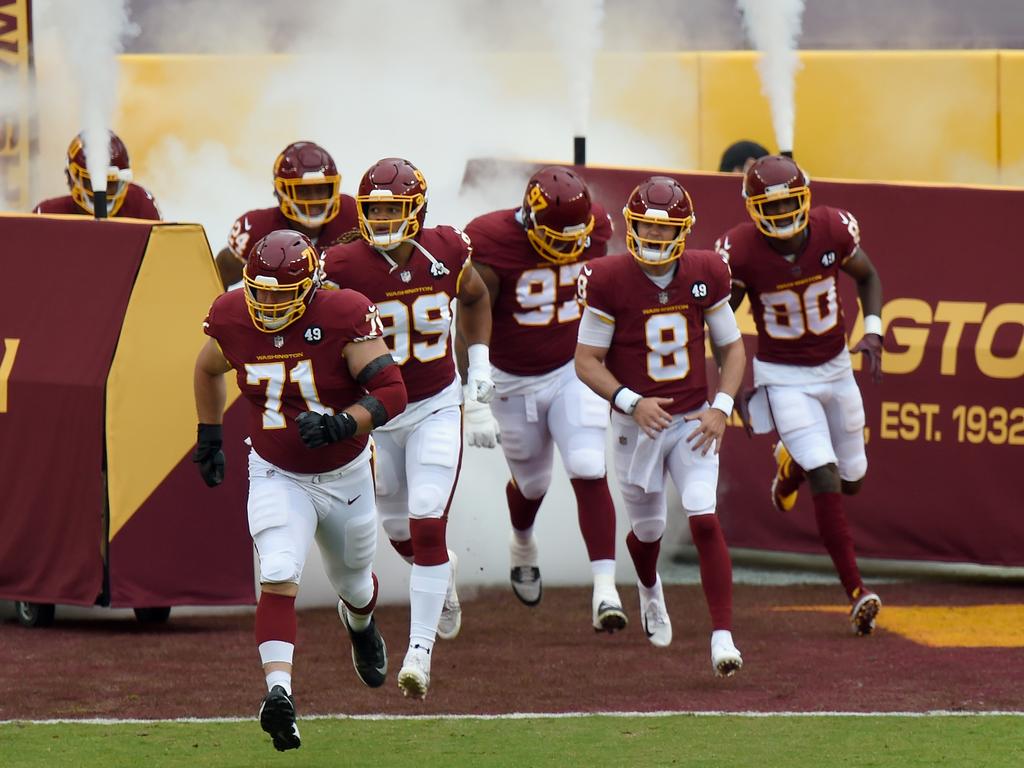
x: 307, y: 186
x: 318, y: 378
x: 124, y: 199
x: 787, y: 260
x: 413, y: 274
x: 530, y: 258
x: 641, y: 347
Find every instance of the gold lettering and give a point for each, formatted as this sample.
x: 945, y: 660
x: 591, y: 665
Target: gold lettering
x: 990, y: 364
x: 912, y: 339
x: 6, y: 364
x: 890, y: 420
x: 957, y: 314
x: 910, y: 427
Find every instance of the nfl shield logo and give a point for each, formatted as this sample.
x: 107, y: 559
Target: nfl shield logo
x: 279, y: 341
x: 663, y: 297
x: 405, y: 275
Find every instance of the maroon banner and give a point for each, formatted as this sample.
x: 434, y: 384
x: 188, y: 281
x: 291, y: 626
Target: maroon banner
x: 946, y: 426
x: 66, y: 285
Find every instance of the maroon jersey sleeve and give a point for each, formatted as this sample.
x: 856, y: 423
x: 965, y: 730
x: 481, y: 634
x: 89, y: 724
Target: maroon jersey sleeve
x: 139, y: 204
x: 601, y: 233
x: 59, y: 205
x: 595, y: 286
x: 249, y: 228
x: 845, y: 233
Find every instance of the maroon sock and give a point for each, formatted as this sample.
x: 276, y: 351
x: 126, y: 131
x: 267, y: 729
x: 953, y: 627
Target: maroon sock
x: 645, y: 558
x: 404, y: 548
x: 521, y: 510
x: 596, y: 516
x: 364, y: 610
x: 275, y: 618
x: 715, y: 568
x: 835, y: 535
x: 428, y: 540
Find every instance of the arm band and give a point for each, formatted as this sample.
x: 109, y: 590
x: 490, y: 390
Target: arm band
x: 873, y: 324
x: 374, y: 367
x: 724, y: 403
x: 625, y: 399
x: 387, y: 389
x: 378, y: 413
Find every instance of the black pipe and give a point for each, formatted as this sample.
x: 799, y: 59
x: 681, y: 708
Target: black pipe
x: 787, y: 153
x: 579, y: 150
x: 99, y: 203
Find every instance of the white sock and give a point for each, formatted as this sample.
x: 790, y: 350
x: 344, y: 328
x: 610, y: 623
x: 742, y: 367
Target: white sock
x: 604, y: 583
x: 428, y: 584
x: 282, y: 678
x: 652, y: 593
x: 523, y: 539
x: 359, y: 621
x: 722, y: 635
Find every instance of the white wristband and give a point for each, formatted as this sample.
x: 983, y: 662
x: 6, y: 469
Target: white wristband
x: 479, y: 356
x: 626, y: 400
x: 724, y: 403
x: 873, y: 324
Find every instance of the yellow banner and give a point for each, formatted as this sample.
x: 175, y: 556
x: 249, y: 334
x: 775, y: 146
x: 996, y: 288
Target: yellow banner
x: 16, y: 78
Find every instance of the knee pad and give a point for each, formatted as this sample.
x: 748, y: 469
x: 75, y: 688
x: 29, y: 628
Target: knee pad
x: 397, y: 528
x: 356, y: 588
x: 648, y: 531
x: 699, y: 496
x: 585, y: 463
x: 427, y: 500
x: 535, y: 486
x: 854, y: 469
x: 279, y: 568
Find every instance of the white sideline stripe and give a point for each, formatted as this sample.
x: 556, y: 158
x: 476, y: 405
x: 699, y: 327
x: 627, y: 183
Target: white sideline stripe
x: 526, y: 716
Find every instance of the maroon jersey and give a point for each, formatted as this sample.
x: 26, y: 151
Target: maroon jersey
x: 657, y: 349
x: 300, y: 368
x: 252, y: 226
x: 414, y: 303
x: 138, y: 204
x: 796, y: 304
x: 536, y: 316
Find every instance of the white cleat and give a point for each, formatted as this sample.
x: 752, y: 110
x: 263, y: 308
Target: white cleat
x: 525, y: 575
x: 654, y: 616
x: 607, y: 613
x: 414, y: 677
x: 725, y: 656
x: 864, y: 612
x: 450, y: 623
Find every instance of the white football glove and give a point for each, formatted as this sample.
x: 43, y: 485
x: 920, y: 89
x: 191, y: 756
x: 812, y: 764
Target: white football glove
x: 479, y: 426
x: 479, y: 386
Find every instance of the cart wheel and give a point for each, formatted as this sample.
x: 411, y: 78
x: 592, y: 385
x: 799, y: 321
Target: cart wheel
x: 34, y: 614
x: 152, y: 615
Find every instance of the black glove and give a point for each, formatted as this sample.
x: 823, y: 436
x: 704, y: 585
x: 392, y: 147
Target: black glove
x: 209, y: 455
x: 871, y: 346
x: 318, y: 429
x: 743, y: 409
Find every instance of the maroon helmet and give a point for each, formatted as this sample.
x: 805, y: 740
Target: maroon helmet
x: 392, y: 180
x: 119, y: 174
x: 771, y: 179
x: 658, y: 200
x: 285, y: 266
x: 556, y: 214
x: 307, y: 184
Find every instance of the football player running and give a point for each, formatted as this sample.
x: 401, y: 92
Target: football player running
x: 318, y: 378
x: 787, y: 261
x: 530, y: 257
x: 307, y: 186
x: 641, y: 347
x: 413, y: 274
x: 124, y: 198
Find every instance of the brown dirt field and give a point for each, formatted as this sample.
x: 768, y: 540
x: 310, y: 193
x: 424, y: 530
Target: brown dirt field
x: 510, y: 658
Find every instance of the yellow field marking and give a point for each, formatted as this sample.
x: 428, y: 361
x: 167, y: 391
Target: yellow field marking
x: 960, y: 626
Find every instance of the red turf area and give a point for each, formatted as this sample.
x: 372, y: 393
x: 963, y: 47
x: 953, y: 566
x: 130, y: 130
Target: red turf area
x: 510, y: 658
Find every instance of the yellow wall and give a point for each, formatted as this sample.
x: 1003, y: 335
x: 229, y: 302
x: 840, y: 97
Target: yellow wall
x: 940, y: 116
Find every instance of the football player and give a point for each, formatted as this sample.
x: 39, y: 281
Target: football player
x: 318, y: 378
x: 124, y: 199
x: 641, y: 347
x: 413, y: 275
x: 529, y: 257
x: 787, y: 261
x: 307, y: 186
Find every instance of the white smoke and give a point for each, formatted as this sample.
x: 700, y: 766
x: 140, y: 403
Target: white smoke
x: 773, y: 27
x: 576, y: 31
x: 91, y: 32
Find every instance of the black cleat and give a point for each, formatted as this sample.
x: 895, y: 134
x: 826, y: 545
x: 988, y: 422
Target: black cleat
x: 277, y: 717
x: 369, y: 654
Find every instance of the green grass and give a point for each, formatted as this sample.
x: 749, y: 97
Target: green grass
x: 681, y: 740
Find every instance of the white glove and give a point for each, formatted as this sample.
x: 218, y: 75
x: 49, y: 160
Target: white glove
x: 480, y: 427
x: 479, y: 386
